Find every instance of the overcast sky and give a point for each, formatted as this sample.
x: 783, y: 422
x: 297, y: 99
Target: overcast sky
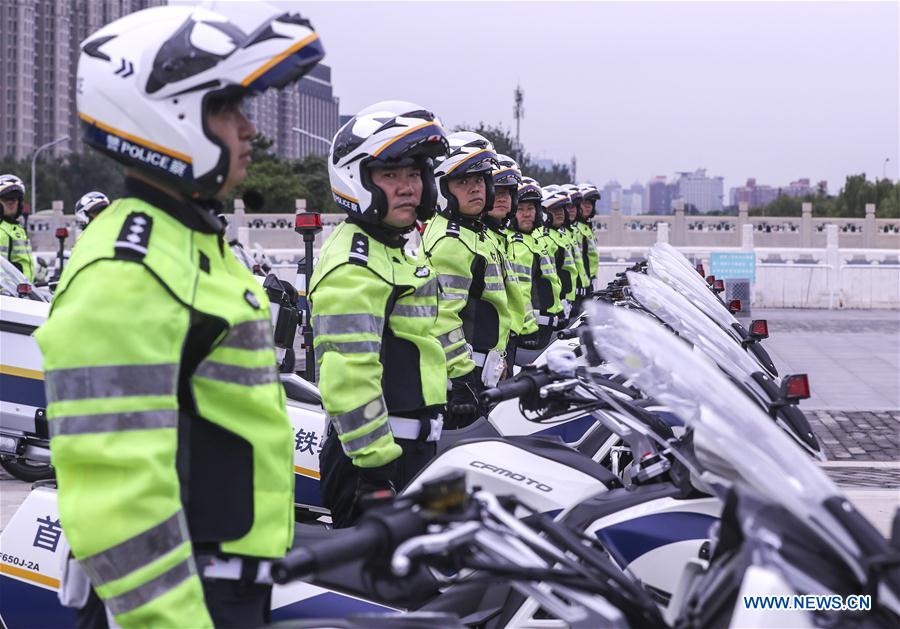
x: 775, y: 91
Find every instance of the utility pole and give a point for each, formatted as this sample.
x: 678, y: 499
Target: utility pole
x: 518, y: 114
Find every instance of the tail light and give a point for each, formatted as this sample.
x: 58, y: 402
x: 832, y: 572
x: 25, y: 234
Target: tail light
x: 710, y: 279
x: 62, y: 232
x: 700, y: 269
x: 23, y: 289
x: 257, y: 270
x: 759, y: 329
x: 795, y: 387
x: 734, y: 306
x: 719, y: 286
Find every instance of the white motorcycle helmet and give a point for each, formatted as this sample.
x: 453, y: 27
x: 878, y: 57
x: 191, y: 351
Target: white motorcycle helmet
x: 574, y: 193
x: 590, y: 192
x: 389, y: 133
x: 529, y: 190
x: 508, y: 175
x: 88, y: 206
x: 470, y: 154
x: 10, y: 185
x: 145, y: 82
x: 553, y: 198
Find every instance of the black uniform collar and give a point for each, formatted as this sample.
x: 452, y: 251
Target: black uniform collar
x: 493, y: 224
x: 469, y: 222
x: 386, y: 235
x: 199, y: 215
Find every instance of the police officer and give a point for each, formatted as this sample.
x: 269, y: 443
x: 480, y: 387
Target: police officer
x: 88, y: 207
x: 570, y: 230
x: 554, y: 203
x: 14, y: 244
x: 474, y: 320
x: 383, y: 374
x: 172, y: 446
x: 589, y: 197
x: 507, y: 177
x: 534, y: 267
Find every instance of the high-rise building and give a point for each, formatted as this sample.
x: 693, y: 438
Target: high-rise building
x: 39, y: 52
x: 702, y: 192
x: 658, y: 195
x: 612, y: 192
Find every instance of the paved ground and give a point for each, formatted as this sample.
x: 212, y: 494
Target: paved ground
x: 852, y: 356
x: 853, y: 360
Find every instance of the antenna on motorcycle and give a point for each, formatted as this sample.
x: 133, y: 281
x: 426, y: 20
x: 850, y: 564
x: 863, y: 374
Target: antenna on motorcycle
x: 307, y: 224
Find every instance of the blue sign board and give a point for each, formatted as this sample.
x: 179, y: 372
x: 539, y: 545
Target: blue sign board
x: 733, y: 266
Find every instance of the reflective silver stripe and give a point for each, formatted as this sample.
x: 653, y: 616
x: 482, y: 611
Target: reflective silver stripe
x: 459, y: 351
x: 521, y: 269
x: 359, y: 416
x: 19, y: 243
x: 479, y: 358
x: 495, y: 286
x: 83, y: 383
x: 347, y: 347
x: 367, y: 439
x: 152, y: 589
x: 113, y: 422
x: 348, y: 324
x: 415, y: 311
x: 492, y: 270
x: 138, y: 551
x: 428, y: 289
x: 245, y: 376
x: 451, y: 337
x: 454, y: 295
x: 546, y: 261
x: 454, y: 281
x: 250, y: 335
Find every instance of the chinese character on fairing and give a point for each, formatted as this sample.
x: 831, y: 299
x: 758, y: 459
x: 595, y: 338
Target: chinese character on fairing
x: 48, y: 533
x: 306, y: 441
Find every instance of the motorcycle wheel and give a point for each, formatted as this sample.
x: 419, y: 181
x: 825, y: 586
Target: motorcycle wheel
x: 26, y: 471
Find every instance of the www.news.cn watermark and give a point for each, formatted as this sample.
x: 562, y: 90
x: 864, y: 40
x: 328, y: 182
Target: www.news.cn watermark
x: 811, y: 602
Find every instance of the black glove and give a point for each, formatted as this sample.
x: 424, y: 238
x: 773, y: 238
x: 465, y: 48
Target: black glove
x: 530, y: 341
x: 463, y: 407
x: 374, y: 485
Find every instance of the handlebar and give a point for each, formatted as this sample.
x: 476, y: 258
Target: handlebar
x: 523, y: 385
x: 380, y: 529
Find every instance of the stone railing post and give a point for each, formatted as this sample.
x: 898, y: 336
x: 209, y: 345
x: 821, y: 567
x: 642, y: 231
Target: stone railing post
x: 833, y: 260
x: 747, y: 237
x: 806, y: 226
x: 679, y: 226
x: 742, y: 219
x: 662, y: 232
x: 238, y: 228
x: 616, y: 237
x: 869, y: 227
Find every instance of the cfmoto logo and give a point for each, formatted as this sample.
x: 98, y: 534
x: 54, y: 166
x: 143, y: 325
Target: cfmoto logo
x: 481, y: 465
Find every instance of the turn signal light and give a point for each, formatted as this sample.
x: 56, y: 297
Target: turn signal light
x: 307, y: 221
x: 734, y: 306
x: 62, y: 232
x: 759, y: 329
x: 700, y: 269
x: 796, y: 387
x: 23, y: 289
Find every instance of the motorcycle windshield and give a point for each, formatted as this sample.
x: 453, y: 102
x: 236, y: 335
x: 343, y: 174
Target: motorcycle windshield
x: 664, y: 265
x: 690, y: 323
x: 733, y: 438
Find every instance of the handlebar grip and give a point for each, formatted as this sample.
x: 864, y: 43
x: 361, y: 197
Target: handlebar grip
x: 520, y: 386
x: 568, y: 333
x: 379, y: 529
